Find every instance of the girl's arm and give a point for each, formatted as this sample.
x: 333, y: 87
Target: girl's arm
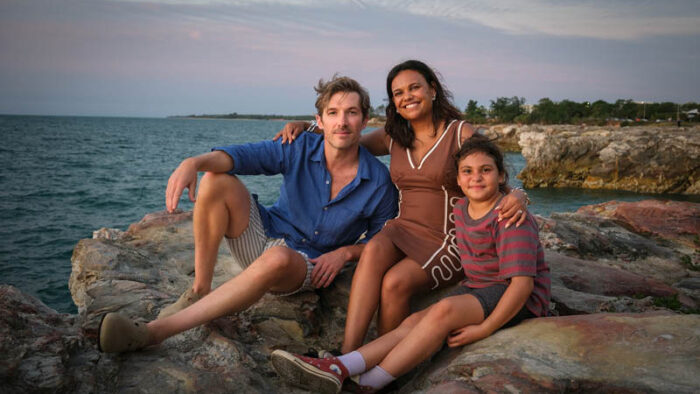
x: 508, y: 306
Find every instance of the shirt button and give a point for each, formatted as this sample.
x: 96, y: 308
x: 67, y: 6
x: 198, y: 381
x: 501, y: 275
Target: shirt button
x: 316, y: 232
x: 325, y: 208
x: 303, y: 240
x: 327, y: 182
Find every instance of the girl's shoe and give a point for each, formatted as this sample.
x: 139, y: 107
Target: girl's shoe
x: 118, y: 334
x: 324, y: 375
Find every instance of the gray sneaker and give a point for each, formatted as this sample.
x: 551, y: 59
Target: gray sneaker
x: 187, y: 298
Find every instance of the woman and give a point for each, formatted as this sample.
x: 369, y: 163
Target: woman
x: 416, y: 251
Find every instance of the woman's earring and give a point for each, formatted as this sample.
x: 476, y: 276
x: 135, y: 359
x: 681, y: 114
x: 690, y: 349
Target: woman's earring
x: 434, y: 97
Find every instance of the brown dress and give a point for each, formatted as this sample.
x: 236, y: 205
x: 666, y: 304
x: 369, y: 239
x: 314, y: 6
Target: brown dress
x: 424, y: 227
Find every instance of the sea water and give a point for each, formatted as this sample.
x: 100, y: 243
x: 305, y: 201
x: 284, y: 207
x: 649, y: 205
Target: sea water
x: 61, y: 178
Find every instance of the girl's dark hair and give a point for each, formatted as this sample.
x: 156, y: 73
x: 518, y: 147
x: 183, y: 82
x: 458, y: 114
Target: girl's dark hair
x: 399, y: 128
x: 480, y: 143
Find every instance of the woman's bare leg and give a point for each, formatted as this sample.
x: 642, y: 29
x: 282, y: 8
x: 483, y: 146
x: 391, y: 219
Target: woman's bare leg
x: 377, y: 257
x: 400, y: 283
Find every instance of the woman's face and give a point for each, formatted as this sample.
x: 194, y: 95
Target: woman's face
x: 412, y: 95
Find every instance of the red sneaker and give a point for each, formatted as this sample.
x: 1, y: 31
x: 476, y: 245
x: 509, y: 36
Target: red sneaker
x: 323, y: 375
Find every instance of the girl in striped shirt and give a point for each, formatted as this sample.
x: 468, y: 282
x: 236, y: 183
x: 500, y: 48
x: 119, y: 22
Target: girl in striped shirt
x: 507, y: 280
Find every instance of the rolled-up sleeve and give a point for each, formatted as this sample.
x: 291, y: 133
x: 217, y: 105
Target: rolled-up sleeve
x: 260, y: 158
x: 385, y: 210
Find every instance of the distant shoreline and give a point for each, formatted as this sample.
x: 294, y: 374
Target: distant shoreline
x: 245, y: 117
x: 373, y: 122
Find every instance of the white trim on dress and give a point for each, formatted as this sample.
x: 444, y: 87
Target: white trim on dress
x: 435, y: 145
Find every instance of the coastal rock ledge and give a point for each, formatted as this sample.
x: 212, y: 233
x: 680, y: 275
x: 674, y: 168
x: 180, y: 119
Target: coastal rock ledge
x: 624, y: 317
x: 640, y: 159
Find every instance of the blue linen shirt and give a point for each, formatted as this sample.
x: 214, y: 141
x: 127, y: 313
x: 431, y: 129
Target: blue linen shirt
x: 303, y: 214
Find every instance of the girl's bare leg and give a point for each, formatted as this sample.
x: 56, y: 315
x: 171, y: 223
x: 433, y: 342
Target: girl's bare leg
x: 400, y: 283
x: 421, y: 334
x: 377, y: 257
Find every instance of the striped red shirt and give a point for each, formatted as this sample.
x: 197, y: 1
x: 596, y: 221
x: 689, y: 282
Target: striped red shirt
x: 492, y: 254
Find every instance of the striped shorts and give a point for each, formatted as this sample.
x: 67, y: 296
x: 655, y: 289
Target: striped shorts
x: 248, y: 246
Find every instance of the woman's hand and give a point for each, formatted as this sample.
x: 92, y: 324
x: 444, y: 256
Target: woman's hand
x: 513, y: 207
x: 290, y: 131
x: 467, y: 334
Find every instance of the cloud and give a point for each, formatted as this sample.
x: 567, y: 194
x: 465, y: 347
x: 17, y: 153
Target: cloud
x: 600, y: 19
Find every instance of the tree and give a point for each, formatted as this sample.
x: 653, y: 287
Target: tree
x: 546, y: 111
x: 505, y: 109
x: 475, y: 113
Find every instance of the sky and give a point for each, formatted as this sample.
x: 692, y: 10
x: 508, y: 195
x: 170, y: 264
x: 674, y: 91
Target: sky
x: 177, y: 57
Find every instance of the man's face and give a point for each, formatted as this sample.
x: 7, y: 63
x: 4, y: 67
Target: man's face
x: 342, y: 121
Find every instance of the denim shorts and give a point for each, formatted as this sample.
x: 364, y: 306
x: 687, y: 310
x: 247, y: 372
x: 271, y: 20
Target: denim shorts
x: 488, y: 298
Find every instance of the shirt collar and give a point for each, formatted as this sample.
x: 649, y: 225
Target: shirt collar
x: 363, y: 157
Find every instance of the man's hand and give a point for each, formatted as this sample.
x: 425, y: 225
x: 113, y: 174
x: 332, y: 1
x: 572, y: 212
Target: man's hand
x: 513, y: 207
x: 290, y: 131
x: 184, y: 176
x: 467, y: 334
x: 326, y: 267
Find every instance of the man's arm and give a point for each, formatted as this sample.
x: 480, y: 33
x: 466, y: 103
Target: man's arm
x: 385, y: 210
x: 185, y: 175
x: 328, y: 265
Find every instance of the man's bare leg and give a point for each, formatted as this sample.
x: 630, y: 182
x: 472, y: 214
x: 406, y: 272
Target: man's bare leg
x: 279, y: 269
x: 222, y: 208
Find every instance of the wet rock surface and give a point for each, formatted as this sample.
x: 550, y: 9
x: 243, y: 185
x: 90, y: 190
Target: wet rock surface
x: 626, y: 297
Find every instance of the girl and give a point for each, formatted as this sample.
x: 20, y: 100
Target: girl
x: 416, y: 251
x: 507, y: 280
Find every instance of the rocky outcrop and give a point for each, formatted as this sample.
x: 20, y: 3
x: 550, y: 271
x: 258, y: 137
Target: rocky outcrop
x: 602, y: 259
x: 587, y: 353
x: 643, y: 159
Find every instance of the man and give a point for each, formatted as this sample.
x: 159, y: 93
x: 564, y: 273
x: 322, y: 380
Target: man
x: 333, y: 192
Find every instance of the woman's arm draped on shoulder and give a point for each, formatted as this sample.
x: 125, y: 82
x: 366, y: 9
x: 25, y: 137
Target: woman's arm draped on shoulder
x: 376, y: 142
x: 291, y: 130
x: 467, y: 131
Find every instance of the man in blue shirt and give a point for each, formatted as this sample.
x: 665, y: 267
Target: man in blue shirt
x: 333, y: 193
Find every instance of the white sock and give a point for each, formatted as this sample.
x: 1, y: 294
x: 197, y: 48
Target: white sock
x: 354, y: 362
x: 376, y: 378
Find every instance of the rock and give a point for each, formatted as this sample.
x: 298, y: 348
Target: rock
x: 647, y: 352
x: 598, y: 264
x: 674, y: 221
x: 641, y: 159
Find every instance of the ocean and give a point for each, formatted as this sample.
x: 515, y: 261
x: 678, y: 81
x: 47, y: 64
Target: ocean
x: 61, y: 178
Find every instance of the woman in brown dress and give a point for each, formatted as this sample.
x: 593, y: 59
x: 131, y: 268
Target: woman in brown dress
x: 416, y: 251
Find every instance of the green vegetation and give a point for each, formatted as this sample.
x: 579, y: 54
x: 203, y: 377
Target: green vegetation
x: 546, y: 111
x: 688, y: 263
x: 515, y: 110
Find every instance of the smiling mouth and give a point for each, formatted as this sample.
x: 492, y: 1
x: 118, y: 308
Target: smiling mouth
x: 411, y: 105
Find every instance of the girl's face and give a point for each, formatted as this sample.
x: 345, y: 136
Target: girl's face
x: 412, y: 95
x: 478, y: 177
